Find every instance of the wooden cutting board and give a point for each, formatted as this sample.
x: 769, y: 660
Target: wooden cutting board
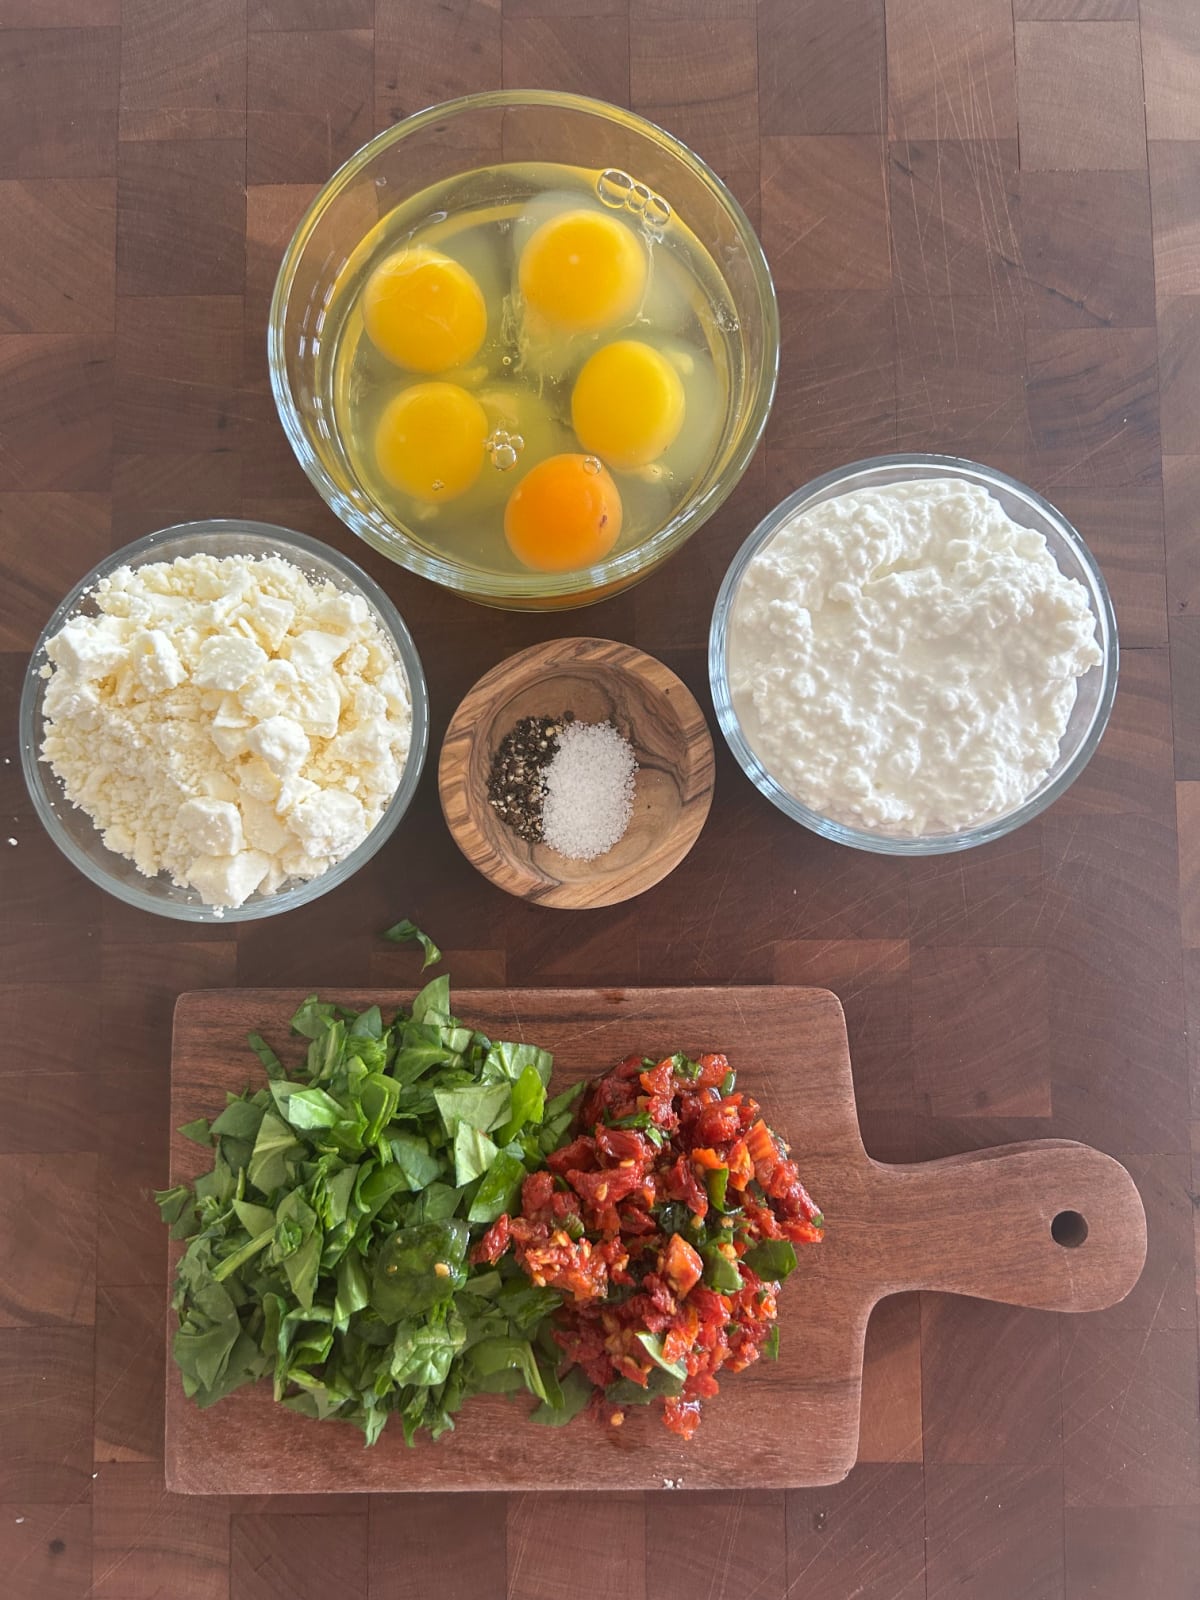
x: 978, y: 1224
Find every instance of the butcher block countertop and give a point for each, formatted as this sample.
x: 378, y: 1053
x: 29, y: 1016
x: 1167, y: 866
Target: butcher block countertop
x: 983, y: 219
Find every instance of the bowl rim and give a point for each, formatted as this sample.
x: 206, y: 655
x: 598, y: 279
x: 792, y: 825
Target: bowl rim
x: 817, y: 490
x: 461, y: 808
x: 628, y: 565
x: 138, y: 551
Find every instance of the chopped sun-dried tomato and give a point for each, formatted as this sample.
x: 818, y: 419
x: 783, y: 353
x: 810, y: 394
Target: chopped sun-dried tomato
x: 623, y: 1146
x: 681, y: 1265
x: 801, y: 1232
x: 606, y: 1186
x: 537, y: 1191
x: 679, y: 1182
x: 682, y: 1417
x: 681, y: 1336
x: 636, y: 1221
x: 493, y: 1244
x: 741, y: 1168
x: 629, y: 1222
x: 578, y: 1156
x: 717, y: 1124
x: 713, y: 1071
x: 709, y: 1159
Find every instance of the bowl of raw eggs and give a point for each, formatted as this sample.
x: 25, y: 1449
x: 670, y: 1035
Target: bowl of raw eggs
x: 524, y: 344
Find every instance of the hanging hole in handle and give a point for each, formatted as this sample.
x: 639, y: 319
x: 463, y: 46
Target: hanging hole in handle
x: 1069, y: 1229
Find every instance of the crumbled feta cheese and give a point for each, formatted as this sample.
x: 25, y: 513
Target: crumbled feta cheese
x: 269, y: 691
x: 317, y: 704
x: 269, y: 619
x: 228, y: 880
x: 329, y: 823
x: 231, y: 742
x: 315, y: 650
x: 263, y: 830
x: 256, y: 779
x: 281, y: 742
x: 88, y: 648
x: 227, y: 661
x: 226, y: 720
x: 210, y: 827
x: 156, y: 660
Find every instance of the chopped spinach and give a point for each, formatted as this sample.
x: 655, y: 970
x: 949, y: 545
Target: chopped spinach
x: 328, y: 1247
x: 407, y: 932
x: 772, y: 1259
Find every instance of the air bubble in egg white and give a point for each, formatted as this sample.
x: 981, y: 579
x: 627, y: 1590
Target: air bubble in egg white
x: 658, y: 212
x: 614, y: 187
x: 620, y: 192
x: 504, y: 449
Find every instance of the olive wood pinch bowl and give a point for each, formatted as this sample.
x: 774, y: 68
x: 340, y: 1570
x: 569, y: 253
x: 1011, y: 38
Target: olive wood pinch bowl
x: 599, y: 680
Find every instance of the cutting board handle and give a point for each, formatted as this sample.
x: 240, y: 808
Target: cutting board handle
x: 1051, y: 1223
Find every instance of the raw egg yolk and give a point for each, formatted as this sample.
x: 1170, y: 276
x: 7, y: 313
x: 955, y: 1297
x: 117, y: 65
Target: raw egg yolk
x: 627, y: 405
x: 565, y: 513
x: 424, y: 311
x: 583, y: 270
x: 430, y: 441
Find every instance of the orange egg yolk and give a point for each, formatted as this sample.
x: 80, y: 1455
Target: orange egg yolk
x: 628, y: 404
x: 583, y: 271
x: 430, y: 441
x: 565, y: 513
x: 424, y: 311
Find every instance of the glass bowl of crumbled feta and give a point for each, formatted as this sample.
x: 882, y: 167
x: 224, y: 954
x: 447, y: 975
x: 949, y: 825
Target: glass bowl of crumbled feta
x: 222, y: 721
x: 913, y: 655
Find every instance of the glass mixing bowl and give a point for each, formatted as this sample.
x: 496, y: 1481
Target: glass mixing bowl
x: 456, y: 138
x: 73, y: 830
x: 1095, y: 689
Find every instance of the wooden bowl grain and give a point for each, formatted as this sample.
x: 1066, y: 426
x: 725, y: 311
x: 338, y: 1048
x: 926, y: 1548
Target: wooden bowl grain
x: 600, y: 681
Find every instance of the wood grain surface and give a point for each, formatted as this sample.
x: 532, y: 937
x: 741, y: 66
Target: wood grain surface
x: 958, y: 266
x: 597, y: 680
x: 1047, y: 1223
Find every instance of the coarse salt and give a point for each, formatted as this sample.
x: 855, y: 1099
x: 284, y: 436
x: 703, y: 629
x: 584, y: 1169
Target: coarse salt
x: 589, y: 791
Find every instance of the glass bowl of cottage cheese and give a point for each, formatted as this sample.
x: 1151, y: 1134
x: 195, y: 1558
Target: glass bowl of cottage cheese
x: 223, y: 721
x: 913, y: 655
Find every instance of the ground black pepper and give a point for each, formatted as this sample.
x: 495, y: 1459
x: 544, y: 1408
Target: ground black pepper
x: 517, y: 784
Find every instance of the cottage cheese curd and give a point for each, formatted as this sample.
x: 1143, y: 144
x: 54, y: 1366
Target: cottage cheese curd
x: 905, y: 658
x: 227, y: 720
